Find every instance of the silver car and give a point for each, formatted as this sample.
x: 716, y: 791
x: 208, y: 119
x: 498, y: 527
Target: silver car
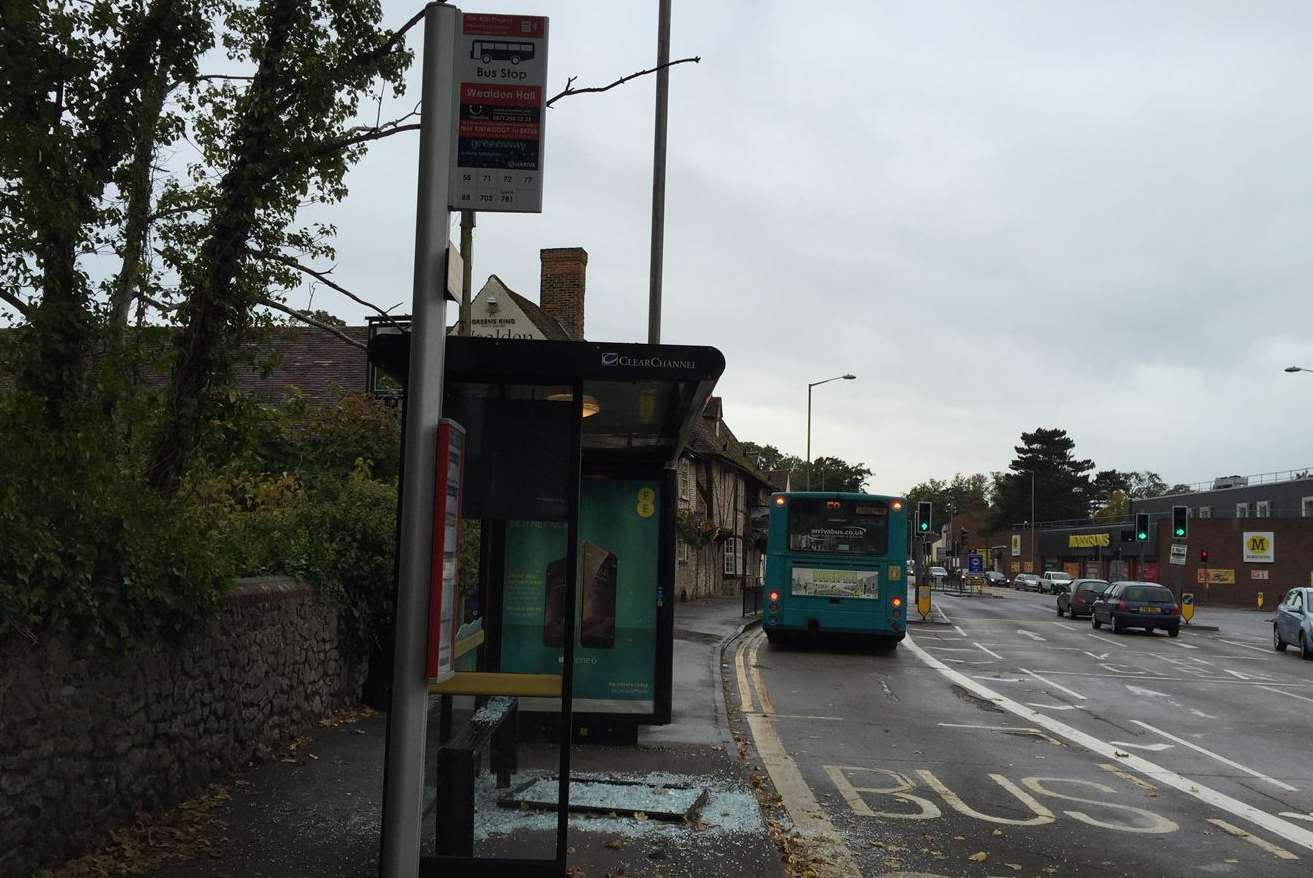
x: 1026, y: 582
x: 1293, y: 624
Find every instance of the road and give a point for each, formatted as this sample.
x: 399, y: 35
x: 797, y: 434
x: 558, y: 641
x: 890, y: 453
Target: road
x: 1012, y: 742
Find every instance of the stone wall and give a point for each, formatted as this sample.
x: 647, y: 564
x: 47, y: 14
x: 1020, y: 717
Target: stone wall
x: 86, y: 742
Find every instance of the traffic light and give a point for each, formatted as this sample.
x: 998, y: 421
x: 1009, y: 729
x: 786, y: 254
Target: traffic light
x: 1141, y: 527
x: 1180, y: 522
x: 923, y: 512
x: 1203, y: 556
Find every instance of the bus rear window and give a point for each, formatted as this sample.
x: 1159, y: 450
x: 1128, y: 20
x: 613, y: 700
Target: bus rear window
x: 850, y: 527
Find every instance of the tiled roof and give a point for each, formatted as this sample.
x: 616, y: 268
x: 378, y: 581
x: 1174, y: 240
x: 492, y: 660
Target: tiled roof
x: 725, y: 445
x: 321, y: 365
x: 547, y: 325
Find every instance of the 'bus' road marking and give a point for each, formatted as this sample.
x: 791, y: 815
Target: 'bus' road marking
x: 1222, y: 759
x: 805, y: 812
x: 1247, y: 646
x: 1282, y: 692
x: 1298, y: 816
x: 988, y: 651
x: 1032, y: 635
x: 1270, y: 822
x: 1272, y: 849
x: 1054, y: 685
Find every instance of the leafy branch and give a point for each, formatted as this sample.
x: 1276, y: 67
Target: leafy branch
x: 322, y: 277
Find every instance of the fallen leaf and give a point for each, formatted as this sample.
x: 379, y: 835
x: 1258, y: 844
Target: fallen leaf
x: 640, y: 815
x: 1120, y: 753
x: 998, y: 832
x: 978, y: 857
x: 615, y: 844
x: 1013, y: 866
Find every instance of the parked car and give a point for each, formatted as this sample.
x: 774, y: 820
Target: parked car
x: 993, y: 577
x: 1293, y: 624
x: 1026, y: 582
x: 1054, y: 581
x: 1146, y: 605
x: 1079, y: 599
x: 938, y: 573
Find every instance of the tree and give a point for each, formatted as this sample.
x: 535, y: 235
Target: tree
x: 962, y: 493
x: 833, y: 474
x: 1062, y: 484
x: 768, y: 458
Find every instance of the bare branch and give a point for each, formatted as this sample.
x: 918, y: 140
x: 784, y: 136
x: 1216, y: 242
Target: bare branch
x: 18, y: 304
x: 157, y: 304
x: 571, y: 90
x: 322, y: 276
x: 209, y: 76
x: 306, y: 318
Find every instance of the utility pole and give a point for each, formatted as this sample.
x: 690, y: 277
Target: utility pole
x: 659, y: 175
x: 467, y: 269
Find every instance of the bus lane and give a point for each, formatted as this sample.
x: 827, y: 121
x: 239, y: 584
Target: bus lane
x: 947, y: 750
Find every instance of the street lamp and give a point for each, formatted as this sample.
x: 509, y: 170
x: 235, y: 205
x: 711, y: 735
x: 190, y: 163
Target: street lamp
x: 1297, y: 369
x: 809, y: 419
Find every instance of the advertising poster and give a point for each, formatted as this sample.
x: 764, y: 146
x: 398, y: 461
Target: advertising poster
x: 814, y: 582
x: 615, y: 653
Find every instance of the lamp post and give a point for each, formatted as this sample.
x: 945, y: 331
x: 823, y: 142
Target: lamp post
x: 1293, y: 369
x: 809, y: 419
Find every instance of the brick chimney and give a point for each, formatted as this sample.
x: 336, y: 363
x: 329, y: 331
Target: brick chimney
x: 561, y: 290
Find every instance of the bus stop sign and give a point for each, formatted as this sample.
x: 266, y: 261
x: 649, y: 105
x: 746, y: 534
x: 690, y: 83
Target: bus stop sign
x: 975, y: 564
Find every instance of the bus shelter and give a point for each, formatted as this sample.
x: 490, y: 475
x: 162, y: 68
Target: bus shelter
x: 569, y: 454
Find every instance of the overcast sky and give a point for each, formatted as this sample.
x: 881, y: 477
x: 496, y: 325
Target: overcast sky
x: 999, y: 215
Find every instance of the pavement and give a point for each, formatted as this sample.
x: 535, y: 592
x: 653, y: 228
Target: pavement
x: 1007, y: 741
x: 315, y: 809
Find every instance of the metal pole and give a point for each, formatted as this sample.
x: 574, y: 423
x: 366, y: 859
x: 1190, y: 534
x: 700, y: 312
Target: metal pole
x: 659, y: 175
x: 1034, y: 550
x: 467, y: 268
x: 403, y: 781
x: 809, y: 436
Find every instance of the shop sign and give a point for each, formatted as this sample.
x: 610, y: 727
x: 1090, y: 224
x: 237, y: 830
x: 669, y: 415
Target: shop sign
x: 1088, y: 541
x: 1215, y: 576
x: 1260, y: 547
x: 1259, y: 574
x: 1016, y: 545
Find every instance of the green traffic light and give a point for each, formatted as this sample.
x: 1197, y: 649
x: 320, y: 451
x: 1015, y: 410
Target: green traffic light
x: 1180, y: 532
x: 1142, y: 536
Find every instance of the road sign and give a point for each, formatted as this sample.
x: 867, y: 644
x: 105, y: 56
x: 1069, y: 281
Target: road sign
x: 1187, y: 607
x: 975, y: 564
x: 501, y: 95
x: 1178, y: 554
x: 923, y: 600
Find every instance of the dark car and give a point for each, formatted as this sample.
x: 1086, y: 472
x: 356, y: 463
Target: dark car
x: 993, y: 577
x: 1080, y: 600
x: 1146, y: 605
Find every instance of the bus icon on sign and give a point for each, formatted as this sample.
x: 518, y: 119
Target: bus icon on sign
x: 488, y: 51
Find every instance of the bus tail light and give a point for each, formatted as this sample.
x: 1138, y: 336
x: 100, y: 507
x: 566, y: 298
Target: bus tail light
x: 897, y: 505
x: 774, y: 596
x: 896, y: 601
x: 779, y: 501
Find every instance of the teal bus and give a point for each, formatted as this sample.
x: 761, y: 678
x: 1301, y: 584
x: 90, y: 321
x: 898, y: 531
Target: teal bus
x: 836, y: 564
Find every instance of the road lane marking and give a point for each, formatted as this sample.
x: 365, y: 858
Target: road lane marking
x: 1106, y: 640
x: 745, y: 691
x: 1098, y: 658
x: 1175, y: 642
x: 943, y: 615
x: 1199, y: 713
x: 958, y: 629
x: 805, y: 812
x: 1127, y: 776
x: 1298, y: 816
x: 1281, y: 692
x: 1031, y: 634
x: 1247, y: 646
x: 988, y: 651
x: 1152, y: 748
x: 1000, y: 679
x: 763, y: 697
x: 793, y: 715
x: 949, y: 648
x: 1240, y: 675
x: 1054, y: 706
x: 1270, y: 822
x: 1054, y: 685
x: 1222, y: 759
x: 1012, y: 730
x: 1272, y: 849
x: 1136, y: 690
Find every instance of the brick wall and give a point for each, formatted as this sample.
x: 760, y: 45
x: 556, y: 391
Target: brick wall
x: 562, y: 286
x: 1224, y: 540
x: 86, y: 742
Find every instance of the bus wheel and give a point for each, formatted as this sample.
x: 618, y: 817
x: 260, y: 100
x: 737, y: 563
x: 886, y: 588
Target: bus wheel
x: 773, y: 638
x: 885, y: 645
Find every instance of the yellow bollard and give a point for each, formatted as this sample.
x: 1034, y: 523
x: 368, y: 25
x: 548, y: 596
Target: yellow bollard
x: 1260, y: 600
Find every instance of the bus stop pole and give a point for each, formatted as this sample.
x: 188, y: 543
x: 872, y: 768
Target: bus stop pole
x: 403, y: 771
